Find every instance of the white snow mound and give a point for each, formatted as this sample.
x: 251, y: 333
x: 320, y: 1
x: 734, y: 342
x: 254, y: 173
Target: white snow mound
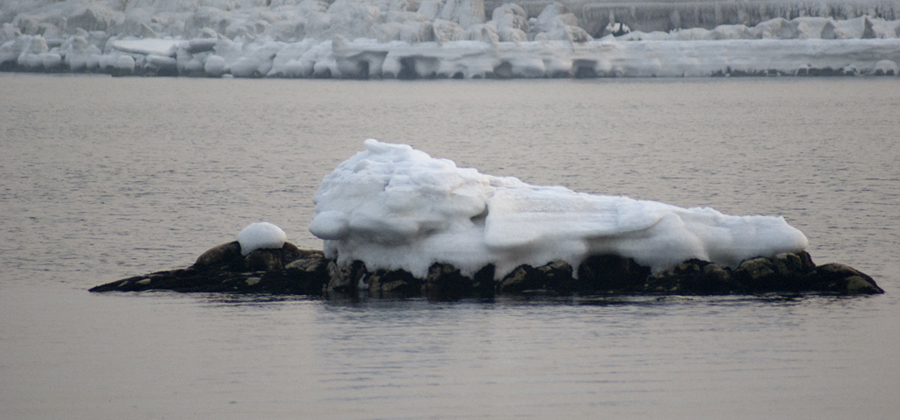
x: 394, y: 207
x: 261, y: 235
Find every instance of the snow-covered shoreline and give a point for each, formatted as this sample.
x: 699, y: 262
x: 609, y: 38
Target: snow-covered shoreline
x: 364, y: 39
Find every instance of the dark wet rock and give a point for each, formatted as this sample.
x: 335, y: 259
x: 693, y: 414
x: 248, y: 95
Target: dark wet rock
x: 694, y: 277
x: 392, y: 284
x: 309, y: 261
x: 219, y: 256
x: 842, y: 279
x: 557, y: 276
x: 223, y: 269
x: 272, y: 260
x: 521, y: 279
x: 345, y: 278
x: 445, y: 282
x: 291, y: 270
x: 789, y: 272
x: 610, y: 274
x: 554, y: 277
x: 228, y: 257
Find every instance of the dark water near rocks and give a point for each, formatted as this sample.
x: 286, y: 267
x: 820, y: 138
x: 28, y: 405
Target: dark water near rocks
x: 105, y: 178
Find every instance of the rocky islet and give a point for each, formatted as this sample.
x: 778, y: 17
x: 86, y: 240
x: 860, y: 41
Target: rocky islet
x: 289, y: 270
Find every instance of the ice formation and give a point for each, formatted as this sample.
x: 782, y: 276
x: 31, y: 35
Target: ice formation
x: 394, y: 207
x: 448, y: 38
x: 261, y: 235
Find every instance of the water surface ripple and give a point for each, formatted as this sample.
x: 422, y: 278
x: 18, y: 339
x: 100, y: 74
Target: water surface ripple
x: 103, y: 178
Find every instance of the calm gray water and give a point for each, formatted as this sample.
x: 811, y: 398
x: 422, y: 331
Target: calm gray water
x: 104, y: 178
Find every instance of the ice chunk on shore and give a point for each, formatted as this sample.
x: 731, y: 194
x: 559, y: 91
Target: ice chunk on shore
x: 394, y: 207
x: 261, y: 235
x: 150, y: 46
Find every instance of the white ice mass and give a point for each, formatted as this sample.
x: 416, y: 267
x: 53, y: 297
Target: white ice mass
x: 261, y: 235
x: 450, y: 38
x: 394, y: 207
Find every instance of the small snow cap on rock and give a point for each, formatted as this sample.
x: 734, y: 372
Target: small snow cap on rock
x: 261, y: 235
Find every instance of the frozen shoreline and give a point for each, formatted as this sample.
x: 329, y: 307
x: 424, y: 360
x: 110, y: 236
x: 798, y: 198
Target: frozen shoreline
x: 362, y: 39
x: 365, y: 59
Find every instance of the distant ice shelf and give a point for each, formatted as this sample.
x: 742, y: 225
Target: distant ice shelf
x: 367, y: 59
x: 378, y: 39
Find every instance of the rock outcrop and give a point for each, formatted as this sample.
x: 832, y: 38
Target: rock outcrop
x: 289, y: 270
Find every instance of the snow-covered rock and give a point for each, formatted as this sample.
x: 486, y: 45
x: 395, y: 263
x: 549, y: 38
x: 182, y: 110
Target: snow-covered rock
x: 261, y: 235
